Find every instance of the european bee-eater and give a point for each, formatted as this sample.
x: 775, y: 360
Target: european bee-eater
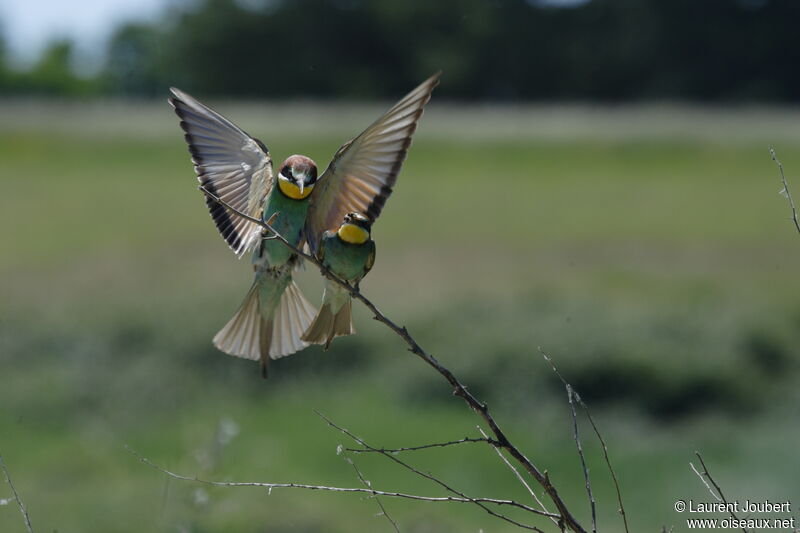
x: 354, y: 189
x: 237, y: 168
x: 349, y: 253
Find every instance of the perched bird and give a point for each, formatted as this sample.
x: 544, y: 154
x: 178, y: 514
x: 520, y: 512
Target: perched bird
x: 349, y: 253
x: 237, y: 168
x: 350, y: 195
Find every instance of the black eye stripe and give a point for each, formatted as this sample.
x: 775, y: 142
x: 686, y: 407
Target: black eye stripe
x: 359, y: 220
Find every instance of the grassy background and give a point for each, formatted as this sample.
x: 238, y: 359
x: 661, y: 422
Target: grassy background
x: 645, y: 249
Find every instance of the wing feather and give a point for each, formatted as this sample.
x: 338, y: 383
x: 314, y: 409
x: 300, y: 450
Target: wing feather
x: 230, y: 164
x: 362, y: 173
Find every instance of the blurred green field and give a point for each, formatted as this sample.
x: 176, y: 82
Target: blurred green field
x: 646, y: 250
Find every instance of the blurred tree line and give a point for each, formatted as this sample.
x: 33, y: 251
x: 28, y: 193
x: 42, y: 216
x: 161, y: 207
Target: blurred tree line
x: 53, y: 74
x: 606, y: 50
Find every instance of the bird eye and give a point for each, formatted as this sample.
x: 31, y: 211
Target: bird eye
x: 287, y: 171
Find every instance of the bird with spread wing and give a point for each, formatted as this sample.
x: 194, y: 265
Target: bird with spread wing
x: 349, y: 198
x: 231, y: 165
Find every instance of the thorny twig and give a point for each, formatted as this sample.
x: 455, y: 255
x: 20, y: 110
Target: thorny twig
x: 599, y: 437
x: 572, y: 396
x: 423, y: 447
x: 368, y: 485
x: 21, y: 505
x: 718, y: 495
x: 520, y: 478
x: 785, y: 189
x: 442, y: 483
x: 458, y: 388
x: 374, y: 492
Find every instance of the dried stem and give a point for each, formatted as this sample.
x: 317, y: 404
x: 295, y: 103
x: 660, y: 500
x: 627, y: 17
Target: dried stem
x: 718, y: 495
x: 786, y: 189
x: 363, y: 490
x: 368, y: 485
x: 423, y: 447
x: 25, y: 516
x: 458, y: 388
x: 599, y: 437
x: 441, y: 483
x: 571, y: 395
x: 520, y: 478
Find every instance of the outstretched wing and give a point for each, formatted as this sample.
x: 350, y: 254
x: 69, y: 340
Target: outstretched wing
x: 361, y: 176
x: 229, y: 164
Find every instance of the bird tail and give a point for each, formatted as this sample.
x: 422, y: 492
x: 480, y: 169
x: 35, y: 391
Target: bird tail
x: 327, y: 325
x: 293, y: 315
x: 251, y: 335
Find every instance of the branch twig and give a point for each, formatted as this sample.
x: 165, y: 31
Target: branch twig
x: 599, y: 437
x: 441, y: 483
x: 571, y: 396
x: 520, y: 478
x: 458, y: 388
x: 718, y: 495
x: 368, y: 485
x: 21, y: 505
x: 785, y: 189
x: 373, y: 492
x: 423, y: 447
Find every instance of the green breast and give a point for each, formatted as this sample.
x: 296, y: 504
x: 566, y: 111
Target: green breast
x: 347, y: 261
x: 289, y: 223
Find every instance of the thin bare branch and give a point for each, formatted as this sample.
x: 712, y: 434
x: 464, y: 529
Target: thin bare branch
x: 423, y: 447
x: 599, y: 437
x: 571, y: 398
x: 520, y: 478
x: 785, y: 189
x: 718, y: 495
x: 700, y: 475
x: 25, y: 516
x: 363, y: 490
x: 441, y: 483
x: 608, y: 462
x: 458, y: 388
x: 368, y: 485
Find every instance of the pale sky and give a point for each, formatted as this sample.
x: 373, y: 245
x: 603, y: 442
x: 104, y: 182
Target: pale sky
x: 28, y: 25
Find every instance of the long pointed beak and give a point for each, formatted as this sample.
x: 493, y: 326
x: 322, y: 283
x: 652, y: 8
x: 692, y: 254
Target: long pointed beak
x: 302, y: 186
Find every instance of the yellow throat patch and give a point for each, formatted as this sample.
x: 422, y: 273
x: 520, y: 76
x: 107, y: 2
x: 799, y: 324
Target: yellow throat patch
x: 293, y: 191
x: 353, y: 234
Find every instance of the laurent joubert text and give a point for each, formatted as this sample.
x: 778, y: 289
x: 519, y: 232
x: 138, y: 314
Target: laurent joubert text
x: 747, y: 508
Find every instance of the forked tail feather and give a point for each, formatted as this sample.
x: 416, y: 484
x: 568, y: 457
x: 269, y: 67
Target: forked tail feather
x: 327, y: 326
x: 251, y: 335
